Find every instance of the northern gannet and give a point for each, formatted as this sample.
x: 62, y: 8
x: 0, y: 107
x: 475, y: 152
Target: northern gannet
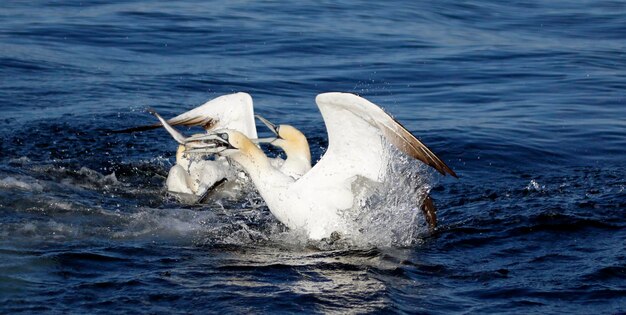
x: 192, y: 177
x: 316, y: 203
x: 196, y: 176
x: 296, y: 147
x: 298, y: 162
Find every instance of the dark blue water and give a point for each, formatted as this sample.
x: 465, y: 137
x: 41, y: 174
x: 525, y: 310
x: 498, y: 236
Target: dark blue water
x: 525, y: 100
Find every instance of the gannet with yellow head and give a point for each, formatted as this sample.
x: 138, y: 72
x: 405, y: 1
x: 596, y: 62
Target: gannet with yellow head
x: 296, y: 147
x: 192, y: 178
x: 195, y: 176
x: 317, y: 202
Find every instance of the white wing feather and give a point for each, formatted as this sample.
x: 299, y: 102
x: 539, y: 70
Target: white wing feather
x: 232, y: 111
x: 357, y: 135
x: 355, y: 148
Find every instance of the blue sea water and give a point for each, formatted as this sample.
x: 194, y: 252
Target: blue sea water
x: 525, y: 100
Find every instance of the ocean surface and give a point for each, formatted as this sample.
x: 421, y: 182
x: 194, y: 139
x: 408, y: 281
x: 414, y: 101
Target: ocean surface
x: 525, y: 100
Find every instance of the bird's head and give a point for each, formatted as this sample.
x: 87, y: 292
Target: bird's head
x: 224, y: 142
x: 288, y: 138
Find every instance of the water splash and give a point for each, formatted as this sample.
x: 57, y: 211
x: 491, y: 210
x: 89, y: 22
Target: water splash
x: 388, y: 213
x: 534, y: 186
x: 11, y: 182
x: 109, y: 205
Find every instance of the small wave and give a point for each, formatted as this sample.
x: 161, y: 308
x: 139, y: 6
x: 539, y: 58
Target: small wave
x: 20, y: 161
x: 83, y: 177
x: 24, y: 184
x: 534, y: 186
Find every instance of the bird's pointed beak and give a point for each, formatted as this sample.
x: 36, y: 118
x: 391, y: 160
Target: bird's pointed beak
x: 173, y: 132
x: 264, y: 140
x: 269, y: 124
x: 207, y: 138
x: 208, y: 144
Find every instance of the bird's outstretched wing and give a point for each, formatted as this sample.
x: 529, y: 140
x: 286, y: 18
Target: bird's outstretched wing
x: 358, y: 157
x: 376, y: 117
x: 232, y: 111
x: 355, y: 127
x: 357, y: 130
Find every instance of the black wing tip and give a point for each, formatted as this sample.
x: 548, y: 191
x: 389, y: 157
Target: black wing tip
x: 139, y: 128
x: 452, y: 173
x: 438, y: 164
x: 446, y: 170
x: 136, y: 129
x: 443, y: 169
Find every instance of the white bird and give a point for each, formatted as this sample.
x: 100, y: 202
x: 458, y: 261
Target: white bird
x: 317, y: 202
x: 296, y: 147
x: 191, y: 178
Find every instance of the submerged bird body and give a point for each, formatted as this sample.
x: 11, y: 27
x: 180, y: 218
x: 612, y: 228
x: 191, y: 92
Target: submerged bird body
x: 318, y: 202
x: 195, y: 176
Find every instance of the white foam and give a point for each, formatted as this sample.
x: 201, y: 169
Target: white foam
x: 388, y: 213
x: 21, y: 161
x: 12, y: 183
x: 98, y: 177
x: 534, y: 186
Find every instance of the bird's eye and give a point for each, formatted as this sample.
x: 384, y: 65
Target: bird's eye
x: 224, y: 136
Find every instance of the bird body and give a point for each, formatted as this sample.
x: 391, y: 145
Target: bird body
x: 194, y: 177
x: 317, y: 203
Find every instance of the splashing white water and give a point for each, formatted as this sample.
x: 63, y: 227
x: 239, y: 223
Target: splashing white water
x: 21, y: 183
x: 388, y: 213
x: 68, y: 204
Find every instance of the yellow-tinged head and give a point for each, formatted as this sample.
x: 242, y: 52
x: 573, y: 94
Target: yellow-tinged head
x: 238, y: 141
x: 288, y: 138
x: 292, y: 141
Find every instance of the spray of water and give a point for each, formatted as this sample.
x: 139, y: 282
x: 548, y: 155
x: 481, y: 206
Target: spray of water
x: 72, y: 202
x: 388, y: 213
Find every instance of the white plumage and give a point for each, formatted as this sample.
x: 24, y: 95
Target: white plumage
x: 192, y: 176
x: 316, y: 203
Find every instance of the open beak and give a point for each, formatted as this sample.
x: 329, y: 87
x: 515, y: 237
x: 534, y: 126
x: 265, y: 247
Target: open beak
x: 269, y: 125
x: 200, y: 144
x: 264, y: 140
x: 173, y: 132
x: 208, y: 144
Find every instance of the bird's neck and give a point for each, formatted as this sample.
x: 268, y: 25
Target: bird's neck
x: 298, y: 155
x: 269, y: 181
x: 296, y: 165
x: 180, y: 157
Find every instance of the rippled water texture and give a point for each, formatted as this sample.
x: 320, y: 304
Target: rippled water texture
x: 525, y: 100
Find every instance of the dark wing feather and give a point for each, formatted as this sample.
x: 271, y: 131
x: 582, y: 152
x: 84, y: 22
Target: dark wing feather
x: 205, y: 122
x: 409, y: 144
